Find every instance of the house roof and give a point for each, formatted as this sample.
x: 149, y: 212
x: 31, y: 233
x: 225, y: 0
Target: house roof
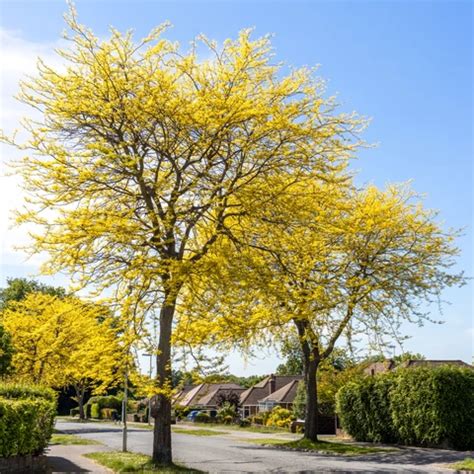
x: 433, y: 363
x: 387, y: 365
x: 285, y: 394
x: 252, y: 395
x: 202, y: 394
x: 211, y: 398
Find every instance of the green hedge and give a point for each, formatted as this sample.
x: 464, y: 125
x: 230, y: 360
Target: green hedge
x: 26, y: 424
x: 364, y: 409
x: 424, y: 406
x: 95, y: 410
x: 22, y: 391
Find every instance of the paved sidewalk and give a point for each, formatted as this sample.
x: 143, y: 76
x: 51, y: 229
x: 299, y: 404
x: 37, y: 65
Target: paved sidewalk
x: 70, y: 459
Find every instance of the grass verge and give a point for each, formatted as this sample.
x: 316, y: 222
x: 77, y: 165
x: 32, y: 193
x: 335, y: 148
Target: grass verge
x: 68, y: 439
x: 326, y: 447
x: 466, y: 465
x: 199, y: 432
x: 133, y: 462
x: 253, y: 428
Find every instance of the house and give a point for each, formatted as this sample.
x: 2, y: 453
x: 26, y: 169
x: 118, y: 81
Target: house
x: 283, y: 397
x: 205, y: 395
x: 388, y: 365
x: 272, y: 390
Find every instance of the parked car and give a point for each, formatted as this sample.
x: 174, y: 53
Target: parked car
x: 192, y: 414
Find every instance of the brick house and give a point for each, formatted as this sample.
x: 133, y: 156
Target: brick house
x: 272, y: 390
x: 205, y: 395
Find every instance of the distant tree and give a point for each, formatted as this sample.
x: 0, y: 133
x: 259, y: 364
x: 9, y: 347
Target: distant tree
x: 399, y: 359
x: 18, y: 288
x: 6, y: 351
x: 299, y: 403
x: 291, y: 351
x: 230, y: 398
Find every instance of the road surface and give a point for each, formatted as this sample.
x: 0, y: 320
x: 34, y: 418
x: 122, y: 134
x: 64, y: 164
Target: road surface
x: 231, y: 453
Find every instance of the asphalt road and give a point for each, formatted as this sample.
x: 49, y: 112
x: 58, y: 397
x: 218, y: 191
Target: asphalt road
x: 230, y: 453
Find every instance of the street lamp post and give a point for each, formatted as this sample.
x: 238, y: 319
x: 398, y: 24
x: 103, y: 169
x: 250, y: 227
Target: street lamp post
x: 124, y: 412
x: 149, y: 398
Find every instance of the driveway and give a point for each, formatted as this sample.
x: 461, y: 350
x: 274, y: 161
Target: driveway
x: 231, y: 453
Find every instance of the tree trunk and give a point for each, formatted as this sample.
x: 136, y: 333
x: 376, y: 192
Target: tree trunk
x: 162, y: 411
x: 80, y: 392
x: 311, y: 418
x: 311, y: 360
x: 80, y: 401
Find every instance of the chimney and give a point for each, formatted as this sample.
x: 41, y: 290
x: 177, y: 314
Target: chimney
x: 271, y: 384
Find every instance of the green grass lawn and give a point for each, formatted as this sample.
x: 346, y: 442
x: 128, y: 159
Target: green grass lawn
x: 327, y: 447
x: 133, y: 462
x: 199, y: 432
x: 253, y: 429
x: 67, y: 439
x: 466, y: 465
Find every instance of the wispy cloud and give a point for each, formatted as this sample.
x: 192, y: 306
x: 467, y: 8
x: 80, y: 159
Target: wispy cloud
x: 19, y: 59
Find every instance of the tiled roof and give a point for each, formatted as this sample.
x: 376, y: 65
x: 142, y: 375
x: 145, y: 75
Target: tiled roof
x: 252, y: 395
x: 205, y: 392
x: 286, y: 394
x: 211, y: 398
x: 433, y: 363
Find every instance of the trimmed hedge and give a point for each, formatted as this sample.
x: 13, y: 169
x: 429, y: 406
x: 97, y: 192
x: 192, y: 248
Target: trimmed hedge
x: 95, y: 410
x: 26, y: 419
x: 364, y: 409
x: 108, y: 401
x: 22, y: 391
x: 423, y: 406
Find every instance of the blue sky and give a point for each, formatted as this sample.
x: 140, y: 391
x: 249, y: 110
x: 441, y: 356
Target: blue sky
x: 407, y: 65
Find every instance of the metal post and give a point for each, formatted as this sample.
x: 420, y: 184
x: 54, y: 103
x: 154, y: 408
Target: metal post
x: 149, y: 397
x: 124, y: 412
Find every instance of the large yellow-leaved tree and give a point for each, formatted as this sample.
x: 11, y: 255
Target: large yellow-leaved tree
x: 63, y: 342
x: 325, y: 261
x: 140, y: 148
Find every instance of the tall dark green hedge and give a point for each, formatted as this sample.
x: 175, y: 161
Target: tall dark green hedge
x: 364, y: 409
x: 26, y: 419
x: 424, y: 406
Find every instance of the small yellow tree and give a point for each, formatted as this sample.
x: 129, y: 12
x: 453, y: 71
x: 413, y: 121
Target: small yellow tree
x: 64, y: 341
x: 325, y: 260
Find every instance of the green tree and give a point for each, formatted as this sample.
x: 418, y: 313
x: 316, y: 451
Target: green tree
x: 6, y: 351
x: 18, y: 288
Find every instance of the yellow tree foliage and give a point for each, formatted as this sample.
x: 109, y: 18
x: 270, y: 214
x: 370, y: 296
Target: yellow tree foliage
x: 323, y: 260
x: 64, y: 341
x: 141, y: 146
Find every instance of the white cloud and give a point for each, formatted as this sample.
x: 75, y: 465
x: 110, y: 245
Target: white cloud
x: 19, y: 59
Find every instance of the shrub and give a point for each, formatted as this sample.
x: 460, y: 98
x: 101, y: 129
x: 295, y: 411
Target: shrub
x: 74, y: 412
x: 425, y: 406
x: 21, y: 391
x: 26, y: 419
x: 181, y: 411
x: 227, y: 413
x: 108, y: 413
x: 280, y: 417
x: 95, y: 410
x: 108, y: 401
x: 244, y: 422
x: 202, y: 418
x: 435, y: 407
x: 256, y: 419
x: 364, y: 409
